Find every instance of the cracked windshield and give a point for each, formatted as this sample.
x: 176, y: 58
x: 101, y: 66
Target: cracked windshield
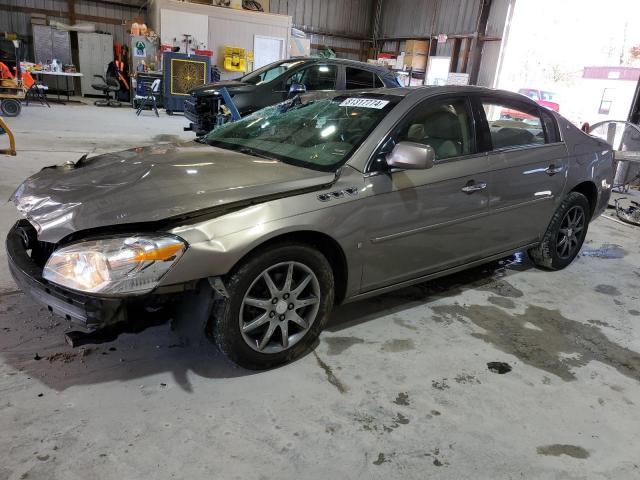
x: 317, y: 134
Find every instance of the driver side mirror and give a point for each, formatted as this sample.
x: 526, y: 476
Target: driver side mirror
x: 296, y: 89
x: 411, y: 156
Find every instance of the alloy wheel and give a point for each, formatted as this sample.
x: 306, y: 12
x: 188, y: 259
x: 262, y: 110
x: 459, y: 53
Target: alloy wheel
x: 279, y: 307
x: 568, y: 239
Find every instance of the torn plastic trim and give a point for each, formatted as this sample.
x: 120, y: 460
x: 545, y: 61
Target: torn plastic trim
x: 218, y: 285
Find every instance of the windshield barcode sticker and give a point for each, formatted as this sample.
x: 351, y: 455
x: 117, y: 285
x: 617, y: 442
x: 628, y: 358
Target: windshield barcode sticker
x: 364, y: 103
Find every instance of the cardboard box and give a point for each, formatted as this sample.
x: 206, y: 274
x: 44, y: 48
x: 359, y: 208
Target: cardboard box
x: 416, y: 47
x: 299, y: 47
x: 417, y: 62
x: 128, y: 23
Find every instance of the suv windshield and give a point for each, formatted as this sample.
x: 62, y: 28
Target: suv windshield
x: 320, y: 134
x: 269, y: 72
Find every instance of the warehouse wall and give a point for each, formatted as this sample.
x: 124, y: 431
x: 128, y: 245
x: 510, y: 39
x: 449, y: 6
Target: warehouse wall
x: 224, y: 26
x: 403, y: 19
x: 346, y: 17
x: 343, y: 25
x: 497, y: 26
x: 344, y: 47
x: 20, y: 22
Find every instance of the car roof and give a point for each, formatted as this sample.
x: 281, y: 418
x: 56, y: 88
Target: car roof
x: 419, y: 93
x: 428, y: 91
x: 345, y: 62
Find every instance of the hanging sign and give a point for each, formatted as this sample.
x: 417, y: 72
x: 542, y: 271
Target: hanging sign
x: 140, y: 50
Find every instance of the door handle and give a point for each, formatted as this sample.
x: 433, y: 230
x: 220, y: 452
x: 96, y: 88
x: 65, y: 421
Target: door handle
x: 552, y: 170
x: 474, y: 187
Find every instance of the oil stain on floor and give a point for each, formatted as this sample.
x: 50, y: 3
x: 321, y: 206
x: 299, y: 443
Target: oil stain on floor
x: 557, y: 345
x: 503, y: 302
x: 397, y: 345
x: 502, y: 288
x: 558, y: 449
x: 608, y: 290
x: 402, y: 399
x: 337, y: 345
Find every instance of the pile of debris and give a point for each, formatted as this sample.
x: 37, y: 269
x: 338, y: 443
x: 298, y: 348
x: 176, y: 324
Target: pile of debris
x: 630, y: 214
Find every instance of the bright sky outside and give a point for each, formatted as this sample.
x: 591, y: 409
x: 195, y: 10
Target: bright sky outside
x: 551, y: 41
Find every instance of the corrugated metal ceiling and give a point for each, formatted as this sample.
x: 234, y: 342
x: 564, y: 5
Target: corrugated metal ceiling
x: 348, y: 17
x: 415, y: 18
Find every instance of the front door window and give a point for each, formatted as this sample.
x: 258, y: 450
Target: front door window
x: 446, y: 127
x: 315, y: 77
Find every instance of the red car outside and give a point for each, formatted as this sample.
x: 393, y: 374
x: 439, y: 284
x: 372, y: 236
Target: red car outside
x: 541, y: 97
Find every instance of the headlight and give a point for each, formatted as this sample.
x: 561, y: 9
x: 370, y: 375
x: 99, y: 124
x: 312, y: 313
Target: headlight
x: 121, y: 265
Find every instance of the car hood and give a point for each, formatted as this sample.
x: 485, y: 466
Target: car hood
x: 211, y: 89
x: 151, y: 184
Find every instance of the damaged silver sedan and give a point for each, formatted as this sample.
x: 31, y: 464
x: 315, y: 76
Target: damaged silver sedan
x: 255, y: 232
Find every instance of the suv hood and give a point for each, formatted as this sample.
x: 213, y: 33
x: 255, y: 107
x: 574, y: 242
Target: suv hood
x: 211, y: 89
x: 150, y: 184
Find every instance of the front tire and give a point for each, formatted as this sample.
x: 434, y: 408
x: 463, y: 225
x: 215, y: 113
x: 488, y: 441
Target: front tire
x: 564, y: 236
x: 279, y: 300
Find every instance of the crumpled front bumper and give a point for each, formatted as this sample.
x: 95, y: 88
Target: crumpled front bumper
x: 85, y: 310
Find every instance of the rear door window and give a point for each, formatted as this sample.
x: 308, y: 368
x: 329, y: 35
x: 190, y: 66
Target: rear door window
x: 356, y: 78
x: 513, y: 124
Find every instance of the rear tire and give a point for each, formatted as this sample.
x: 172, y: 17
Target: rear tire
x: 564, y: 236
x: 292, y: 318
x: 10, y: 107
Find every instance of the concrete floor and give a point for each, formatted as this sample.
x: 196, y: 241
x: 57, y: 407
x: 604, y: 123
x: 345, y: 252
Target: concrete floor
x: 398, y: 386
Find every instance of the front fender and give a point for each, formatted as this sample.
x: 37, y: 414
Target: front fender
x: 217, y: 245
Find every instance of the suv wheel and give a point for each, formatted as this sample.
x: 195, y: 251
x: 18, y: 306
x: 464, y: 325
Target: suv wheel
x: 564, y: 236
x: 279, y: 302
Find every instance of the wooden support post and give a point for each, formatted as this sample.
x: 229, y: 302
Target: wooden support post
x: 483, y: 19
x: 455, y: 55
x: 71, y: 7
x: 433, y: 46
x: 464, y: 58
